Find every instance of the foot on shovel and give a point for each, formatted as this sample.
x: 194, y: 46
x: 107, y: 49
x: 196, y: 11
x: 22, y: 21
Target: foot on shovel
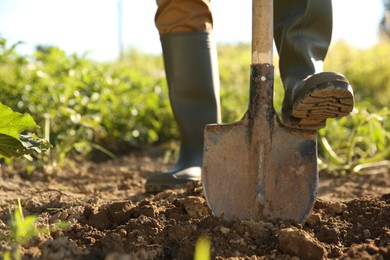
x: 321, y: 96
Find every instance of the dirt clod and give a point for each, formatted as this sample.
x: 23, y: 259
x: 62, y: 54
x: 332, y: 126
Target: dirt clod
x: 297, y: 242
x: 195, y: 207
x: 329, y: 234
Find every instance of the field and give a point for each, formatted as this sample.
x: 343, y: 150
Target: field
x: 111, y: 217
x: 110, y: 127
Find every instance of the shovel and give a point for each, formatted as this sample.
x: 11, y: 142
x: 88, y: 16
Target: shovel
x: 257, y: 168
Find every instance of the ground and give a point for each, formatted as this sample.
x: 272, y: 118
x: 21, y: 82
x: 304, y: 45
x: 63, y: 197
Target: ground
x: 110, y: 216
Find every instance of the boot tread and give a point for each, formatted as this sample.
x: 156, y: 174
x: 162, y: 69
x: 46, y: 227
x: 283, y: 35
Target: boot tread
x: 326, y: 100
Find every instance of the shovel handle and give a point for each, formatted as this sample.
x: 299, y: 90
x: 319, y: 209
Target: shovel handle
x: 262, y: 31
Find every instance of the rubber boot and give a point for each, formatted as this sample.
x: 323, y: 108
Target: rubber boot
x: 191, y: 68
x: 302, y: 33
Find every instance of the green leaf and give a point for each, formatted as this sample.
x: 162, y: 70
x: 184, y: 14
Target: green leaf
x: 12, y: 142
x: 11, y: 147
x: 13, y: 123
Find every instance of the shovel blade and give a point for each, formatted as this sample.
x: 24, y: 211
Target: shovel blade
x: 257, y: 168
x: 278, y: 181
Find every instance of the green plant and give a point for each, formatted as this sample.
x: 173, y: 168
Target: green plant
x: 12, y: 142
x: 203, y: 248
x: 21, y: 230
x: 86, y: 105
x: 357, y: 142
x: 83, y: 106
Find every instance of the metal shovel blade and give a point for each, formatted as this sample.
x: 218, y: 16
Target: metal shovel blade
x: 257, y: 168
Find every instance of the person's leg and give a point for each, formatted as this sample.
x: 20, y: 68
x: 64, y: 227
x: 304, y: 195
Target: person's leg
x: 302, y: 33
x: 191, y: 68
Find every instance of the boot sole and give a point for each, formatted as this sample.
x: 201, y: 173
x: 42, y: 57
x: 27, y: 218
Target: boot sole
x: 325, y: 100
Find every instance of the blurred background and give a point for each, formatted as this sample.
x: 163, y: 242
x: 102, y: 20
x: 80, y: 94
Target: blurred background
x: 103, y: 27
x: 90, y: 104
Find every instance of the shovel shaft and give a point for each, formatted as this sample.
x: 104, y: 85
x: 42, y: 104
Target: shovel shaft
x: 261, y: 104
x: 262, y: 31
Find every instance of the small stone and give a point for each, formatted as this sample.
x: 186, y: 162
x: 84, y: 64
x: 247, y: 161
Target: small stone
x: 338, y: 207
x: 314, y: 219
x: 224, y: 230
x: 122, y: 233
x: 329, y: 234
x: 345, y: 214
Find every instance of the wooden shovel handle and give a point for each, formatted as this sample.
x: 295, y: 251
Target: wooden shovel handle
x: 262, y: 31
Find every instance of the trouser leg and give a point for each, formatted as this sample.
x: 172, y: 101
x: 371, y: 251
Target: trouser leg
x: 183, y: 16
x: 191, y: 68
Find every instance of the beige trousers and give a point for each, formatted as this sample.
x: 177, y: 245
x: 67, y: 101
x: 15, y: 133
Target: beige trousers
x: 183, y: 16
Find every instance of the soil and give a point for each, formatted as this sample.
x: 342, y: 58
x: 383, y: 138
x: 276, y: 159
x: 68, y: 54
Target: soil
x: 110, y: 216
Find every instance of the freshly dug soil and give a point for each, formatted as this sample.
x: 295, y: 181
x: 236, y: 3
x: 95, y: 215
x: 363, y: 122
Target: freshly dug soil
x: 110, y: 216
